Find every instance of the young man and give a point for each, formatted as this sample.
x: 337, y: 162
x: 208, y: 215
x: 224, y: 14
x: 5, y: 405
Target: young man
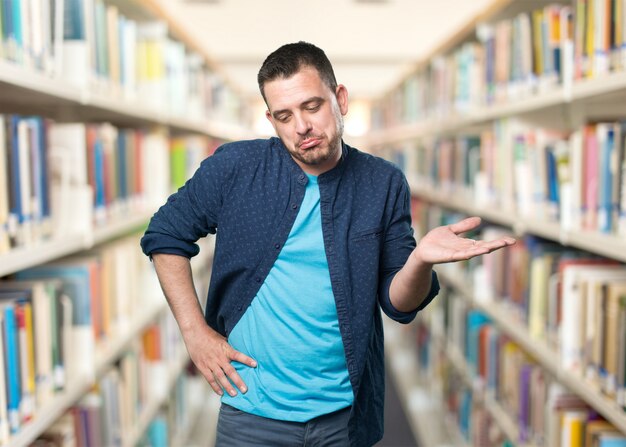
x: 313, y: 239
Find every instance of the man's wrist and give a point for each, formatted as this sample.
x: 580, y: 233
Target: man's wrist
x: 418, y: 260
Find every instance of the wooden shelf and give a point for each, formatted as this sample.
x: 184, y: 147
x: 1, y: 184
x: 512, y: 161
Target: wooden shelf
x: 55, y: 248
x: 120, y: 227
x: 39, y: 253
x: 24, y: 91
x: 610, y: 87
x: 539, y: 350
x: 611, y: 246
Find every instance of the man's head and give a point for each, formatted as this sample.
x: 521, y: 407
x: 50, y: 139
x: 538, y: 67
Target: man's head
x: 305, y: 104
x: 290, y: 58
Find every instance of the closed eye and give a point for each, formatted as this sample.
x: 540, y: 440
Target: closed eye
x: 314, y: 108
x: 313, y: 104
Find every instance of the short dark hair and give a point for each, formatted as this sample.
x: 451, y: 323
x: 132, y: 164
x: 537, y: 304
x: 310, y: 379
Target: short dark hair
x: 290, y: 58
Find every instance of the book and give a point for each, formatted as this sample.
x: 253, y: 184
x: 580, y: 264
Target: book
x: 12, y: 366
x: 4, y: 417
x: 76, y: 277
x: 44, y: 298
x: 4, y: 189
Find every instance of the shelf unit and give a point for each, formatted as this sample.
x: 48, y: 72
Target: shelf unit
x: 603, y: 244
x: 493, y: 407
x: 539, y: 350
x: 24, y: 90
x: 106, y: 355
x: 609, y: 88
x: 55, y: 248
x: 427, y: 417
x: 565, y: 106
x: 183, y: 438
x: 149, y: 411
x: 28, y: 92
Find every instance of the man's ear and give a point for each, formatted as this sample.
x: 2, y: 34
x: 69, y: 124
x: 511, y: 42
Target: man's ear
x: 341, y: 93
x: 270, y: 118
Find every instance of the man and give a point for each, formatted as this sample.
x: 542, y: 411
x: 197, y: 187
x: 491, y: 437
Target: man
x: 313, y: 239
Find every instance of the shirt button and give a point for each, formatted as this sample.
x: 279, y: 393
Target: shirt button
x: 257, y: 279
x: 239, y: 307
x: 294, y: 206
x: 276, y: 246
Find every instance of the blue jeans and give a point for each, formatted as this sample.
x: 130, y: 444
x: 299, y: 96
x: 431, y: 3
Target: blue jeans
x: 236, y: 428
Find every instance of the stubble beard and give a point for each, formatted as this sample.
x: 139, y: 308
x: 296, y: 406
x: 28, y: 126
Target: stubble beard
x: 320, y: 154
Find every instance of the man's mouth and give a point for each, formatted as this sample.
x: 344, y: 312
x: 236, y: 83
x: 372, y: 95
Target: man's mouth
x: 310, y: 142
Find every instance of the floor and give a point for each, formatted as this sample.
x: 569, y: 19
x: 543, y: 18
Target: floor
x: 397, y: 430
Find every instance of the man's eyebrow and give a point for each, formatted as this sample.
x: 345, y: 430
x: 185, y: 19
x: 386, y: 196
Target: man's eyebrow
x: 305, y: 103
x: 317, y: 99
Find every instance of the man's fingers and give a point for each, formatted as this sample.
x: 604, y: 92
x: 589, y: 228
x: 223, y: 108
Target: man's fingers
x: 465, y: 225
x: 224, y: 382
x: 213, y: 383
x: 231, y: 373
x: 242, y: 358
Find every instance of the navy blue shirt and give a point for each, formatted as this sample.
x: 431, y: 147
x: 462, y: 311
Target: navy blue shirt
x: 248, y: 194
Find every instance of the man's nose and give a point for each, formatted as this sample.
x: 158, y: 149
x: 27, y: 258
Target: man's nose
x: 303, y: 126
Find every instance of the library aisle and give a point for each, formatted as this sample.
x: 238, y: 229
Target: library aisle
x: 510, y: 110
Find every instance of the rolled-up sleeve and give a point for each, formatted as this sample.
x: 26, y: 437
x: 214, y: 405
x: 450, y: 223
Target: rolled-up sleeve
x: 397, y: 247
x: 189, y: 214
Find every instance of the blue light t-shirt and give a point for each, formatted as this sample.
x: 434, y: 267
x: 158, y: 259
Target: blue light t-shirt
x: 291, y: 329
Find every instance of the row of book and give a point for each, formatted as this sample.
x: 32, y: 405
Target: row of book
x: 94, y: 45
x: 571, y: 301
x: 60, y: 178
x: 577, y: 180
x: 512, y: 58
x: 484, y: 377
x: 55, y: 318
x: 111, y: 411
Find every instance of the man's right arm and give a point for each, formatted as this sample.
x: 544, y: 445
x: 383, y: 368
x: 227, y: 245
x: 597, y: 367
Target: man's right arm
x: 209, y: 350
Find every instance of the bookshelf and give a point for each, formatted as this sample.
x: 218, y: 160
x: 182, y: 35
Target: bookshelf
x: 150, y: 410
x: 540, y: 351
x: 466, y: 89
x: 106, y: 355
x: 609, y: 91
x: 148, y: 110
x: 426, y: 416
x: 602, y: 244
x: 26, y: 91
x: 495, y: 410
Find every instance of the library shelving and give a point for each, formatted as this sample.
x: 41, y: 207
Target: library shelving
x: 106, y: 355
x: 112, y: 105
x: 429, y: 423
x: 150, y: 410
x: 609, y: 90
x: 547, y: 357
x: 495, y: 410
x: 557, y: 71
x: 603, y: 244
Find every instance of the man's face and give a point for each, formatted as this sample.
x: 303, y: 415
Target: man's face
x: 308, y: 117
